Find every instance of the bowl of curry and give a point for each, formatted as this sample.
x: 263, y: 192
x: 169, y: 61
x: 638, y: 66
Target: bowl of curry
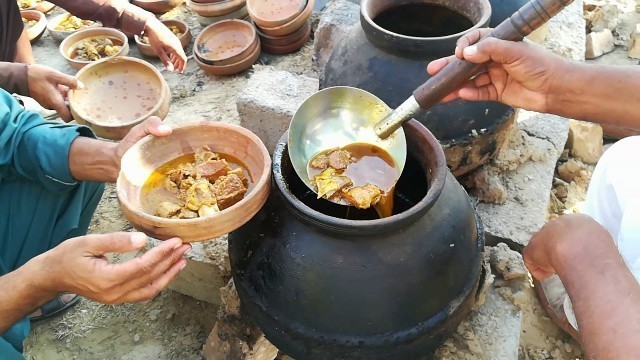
x: 204, y: 180
x: 92, y: 44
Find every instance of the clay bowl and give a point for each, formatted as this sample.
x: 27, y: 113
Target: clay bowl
x: 158, y: 6
x: 119, y: 93
x: 225, y: 42
x: 287, y: 49
x: 42, y: 6
x: 292, y: 25
x: 150, y: 153
x: 272, y: 14
x: 241, y: 14
x: 231, y: 69
x: 34, y: 32
x: 216, y: 9
x: 60, y: 35
x: 68, y: 45
x: 287, y: 39
x: 146, y: 50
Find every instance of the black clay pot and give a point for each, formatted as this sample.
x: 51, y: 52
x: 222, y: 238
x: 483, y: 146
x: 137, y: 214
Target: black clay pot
x: 323, y: 287
x: 391, y: 66
x: 502, y: 9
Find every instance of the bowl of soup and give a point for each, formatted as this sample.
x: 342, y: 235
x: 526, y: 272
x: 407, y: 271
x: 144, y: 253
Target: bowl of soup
x: 118, y: 94
x: 89, y: 45
x: 204, y: 180
x: 63, y: 25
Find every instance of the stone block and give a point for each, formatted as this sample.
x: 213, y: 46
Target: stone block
x: 585, y: 141
x: 599, y: 43
x: 566, y: 35
x: 490, y: 332
x: 207, y: 270
x: 526, y: 169
x: 269, y: 101
x: 335, y: 21
x: 506, y: 262
x: 634, y: 44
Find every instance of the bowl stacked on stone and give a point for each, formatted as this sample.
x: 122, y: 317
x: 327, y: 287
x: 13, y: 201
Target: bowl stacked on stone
x: 227, y: 47
x: 211, y: 11
x: 283, y: 25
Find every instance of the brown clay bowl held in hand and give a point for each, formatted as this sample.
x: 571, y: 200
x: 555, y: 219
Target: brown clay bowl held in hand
x: 224, y: 70
x: 225, y: 42
x: 69, y: 45
x: 217, y: 8
x: 119, y: 93
x: 292, y: 25
x: 273, y: 13
x: 150, y: 153
x: 60, y: 35
x: 158, y: 6
x: 146, y: 50
x: 34, y: 32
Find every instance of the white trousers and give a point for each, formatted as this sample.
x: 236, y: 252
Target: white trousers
x: 613, y: 200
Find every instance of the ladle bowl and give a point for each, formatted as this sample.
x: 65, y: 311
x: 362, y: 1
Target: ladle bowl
x: 335, y: 117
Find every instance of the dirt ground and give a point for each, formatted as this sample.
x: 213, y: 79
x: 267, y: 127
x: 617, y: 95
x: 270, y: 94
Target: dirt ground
x: 174, y: 326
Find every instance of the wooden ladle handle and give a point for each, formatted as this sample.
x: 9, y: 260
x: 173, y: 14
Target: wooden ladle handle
x: 524, y: 21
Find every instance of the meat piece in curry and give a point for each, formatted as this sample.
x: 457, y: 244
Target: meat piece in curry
x: 198, y: 188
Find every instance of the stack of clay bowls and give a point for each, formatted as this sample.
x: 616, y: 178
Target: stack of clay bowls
x: 227, y: 47
x: 212, y: 11
x: 283, y: 25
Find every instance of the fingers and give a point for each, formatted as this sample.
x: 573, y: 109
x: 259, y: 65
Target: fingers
x: 482, y: 93
x: 154, y: 126
x: 67, y: 80
x: 57, y: 102
x: 469, y: 39
x: 120, y: 242
x: 436, y: 65
x: 492, y: 49
x: 162, y: 54
x: 154, y: 287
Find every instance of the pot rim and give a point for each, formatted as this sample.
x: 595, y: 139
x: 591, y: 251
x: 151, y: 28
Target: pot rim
x: 486, y: 17
x: 436, y: 172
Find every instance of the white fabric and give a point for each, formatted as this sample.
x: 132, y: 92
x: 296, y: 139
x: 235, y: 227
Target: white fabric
x: 613, y: 200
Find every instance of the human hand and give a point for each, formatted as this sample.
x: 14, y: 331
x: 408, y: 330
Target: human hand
x: 152, y: 126
x: 519, y: 74
x: 166, y: 45
x: 79, y: 266
x: 49, y: 87
x: 559, y: 239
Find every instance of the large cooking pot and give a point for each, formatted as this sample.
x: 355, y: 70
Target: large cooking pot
x: 321, y: 286
x: 383, y: 61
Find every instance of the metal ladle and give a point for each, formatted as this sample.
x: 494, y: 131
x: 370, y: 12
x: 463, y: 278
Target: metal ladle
x: 336, y: 117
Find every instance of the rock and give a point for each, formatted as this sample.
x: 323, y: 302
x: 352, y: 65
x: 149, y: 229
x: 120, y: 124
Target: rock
x: 490, y: 332
x: 626, y: 27
x: 572, y: 170
x: 229, y: 299
x: 585, y: 141
x: 566, y: 35
x: 206, y: 272
x: 602, y: 17
x: 263, y: 350
x: 270, y: 100
x: 136, y: 338
x: 335, y: 21
x: 527, y: 182
x: 618, y: 56
x: 507, y: 262
x: 634, y: 45
x: 599, y: 43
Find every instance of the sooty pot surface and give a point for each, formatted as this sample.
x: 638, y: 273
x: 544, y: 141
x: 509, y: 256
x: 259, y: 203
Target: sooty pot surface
x: 388, y: 57
x: 322, y: 286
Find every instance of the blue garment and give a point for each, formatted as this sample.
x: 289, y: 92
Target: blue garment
x: 41, y: 204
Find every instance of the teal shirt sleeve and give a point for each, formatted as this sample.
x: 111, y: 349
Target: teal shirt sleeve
x: 35, y: 149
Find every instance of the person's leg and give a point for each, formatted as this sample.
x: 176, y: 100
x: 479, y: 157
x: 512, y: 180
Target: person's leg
x: 35, y: 220
x: 613, y: 200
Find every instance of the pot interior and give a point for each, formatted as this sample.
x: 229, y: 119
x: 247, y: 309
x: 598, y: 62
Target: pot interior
x: 425, y: 18
x: 410, y: 189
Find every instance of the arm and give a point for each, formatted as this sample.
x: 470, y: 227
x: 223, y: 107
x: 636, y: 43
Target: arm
x: 79, y: 265
x: 525, y: 75
x: 132, y: 19
x: 24, y: 52
x: 603, y: 94
x: 604, y: 293
x: 13, y: 78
